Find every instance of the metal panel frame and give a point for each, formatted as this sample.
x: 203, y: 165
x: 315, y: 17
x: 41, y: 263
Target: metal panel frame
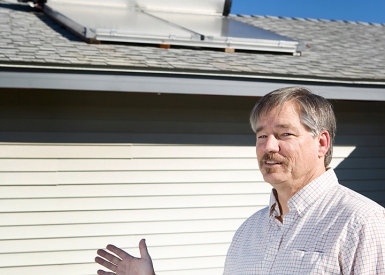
x: 217, y: 7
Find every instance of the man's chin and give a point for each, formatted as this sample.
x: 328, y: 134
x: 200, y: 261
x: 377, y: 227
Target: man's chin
x: 270, y: 170
x: 272, y: 176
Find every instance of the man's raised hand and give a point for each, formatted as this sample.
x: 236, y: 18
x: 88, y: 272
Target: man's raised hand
x: 122, y: 263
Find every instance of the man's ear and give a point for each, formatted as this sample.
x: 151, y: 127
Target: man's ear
x: 323, y: 143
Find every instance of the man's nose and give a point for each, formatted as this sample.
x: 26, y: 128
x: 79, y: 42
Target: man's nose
x: 272, y: 144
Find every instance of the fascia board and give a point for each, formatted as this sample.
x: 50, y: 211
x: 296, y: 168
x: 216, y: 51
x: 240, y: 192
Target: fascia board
x: 169, y: 83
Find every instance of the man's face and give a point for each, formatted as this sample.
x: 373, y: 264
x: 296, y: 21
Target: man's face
x: 288, y: 155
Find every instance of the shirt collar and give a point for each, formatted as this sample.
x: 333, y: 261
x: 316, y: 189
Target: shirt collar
x: 274, y: 206
x: 307, y: 195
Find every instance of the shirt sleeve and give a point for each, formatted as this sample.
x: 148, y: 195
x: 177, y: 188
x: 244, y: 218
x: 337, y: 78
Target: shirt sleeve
x: 364, y: 250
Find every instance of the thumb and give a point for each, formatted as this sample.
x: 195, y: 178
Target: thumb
x: 143, y: 250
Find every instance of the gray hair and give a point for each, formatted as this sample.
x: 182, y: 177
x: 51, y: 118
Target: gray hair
x: 315, y: 112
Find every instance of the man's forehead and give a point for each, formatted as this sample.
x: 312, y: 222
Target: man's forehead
x: 289, y: 107
x: 283, y: 116
x: 277, y: 126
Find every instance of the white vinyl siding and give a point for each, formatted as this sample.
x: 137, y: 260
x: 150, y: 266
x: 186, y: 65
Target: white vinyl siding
x: 60, y: 202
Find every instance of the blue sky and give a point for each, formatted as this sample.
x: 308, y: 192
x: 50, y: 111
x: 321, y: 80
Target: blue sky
x: 372, y: 11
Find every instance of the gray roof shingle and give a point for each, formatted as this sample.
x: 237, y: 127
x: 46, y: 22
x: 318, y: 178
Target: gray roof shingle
x: 334, y: 49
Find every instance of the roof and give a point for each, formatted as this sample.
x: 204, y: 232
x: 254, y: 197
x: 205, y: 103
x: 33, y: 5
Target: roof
x: 337, y: 52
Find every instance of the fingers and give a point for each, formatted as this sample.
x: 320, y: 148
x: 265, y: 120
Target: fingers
x: 143, y: 250
x: 121, y: 259
x: 106, y: 264
x: 108, y: 256
x: 102, y: 272
x: 110, y: 261
x: 121, y: 253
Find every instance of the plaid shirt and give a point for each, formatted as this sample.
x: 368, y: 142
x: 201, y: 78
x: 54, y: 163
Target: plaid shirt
x: 330, y: 229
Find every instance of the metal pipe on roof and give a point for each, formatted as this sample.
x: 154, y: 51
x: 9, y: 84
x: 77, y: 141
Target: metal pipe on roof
x: 227, y: 7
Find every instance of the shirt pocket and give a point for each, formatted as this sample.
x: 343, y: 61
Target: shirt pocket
x: 305, y: 262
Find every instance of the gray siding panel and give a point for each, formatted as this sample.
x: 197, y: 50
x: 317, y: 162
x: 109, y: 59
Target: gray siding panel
x: 361, y: 124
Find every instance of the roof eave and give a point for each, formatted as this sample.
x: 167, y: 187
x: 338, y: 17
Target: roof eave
x: 118, y: 79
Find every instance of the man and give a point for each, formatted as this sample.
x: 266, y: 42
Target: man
x: 313, y: 225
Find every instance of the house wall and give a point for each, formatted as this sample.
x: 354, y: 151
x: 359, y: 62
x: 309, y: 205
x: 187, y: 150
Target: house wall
x: 79, y: 170
x: 361, y: 125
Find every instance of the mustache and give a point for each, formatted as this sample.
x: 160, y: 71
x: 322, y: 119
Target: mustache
x: 274, y: 157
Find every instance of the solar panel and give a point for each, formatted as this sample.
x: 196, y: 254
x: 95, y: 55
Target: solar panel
x: 119, y: 24
x: 169, y: 22
x: 224, y: 32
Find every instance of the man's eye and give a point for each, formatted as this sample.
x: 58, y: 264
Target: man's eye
x: 262, y: 136
x: 286, y: 134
